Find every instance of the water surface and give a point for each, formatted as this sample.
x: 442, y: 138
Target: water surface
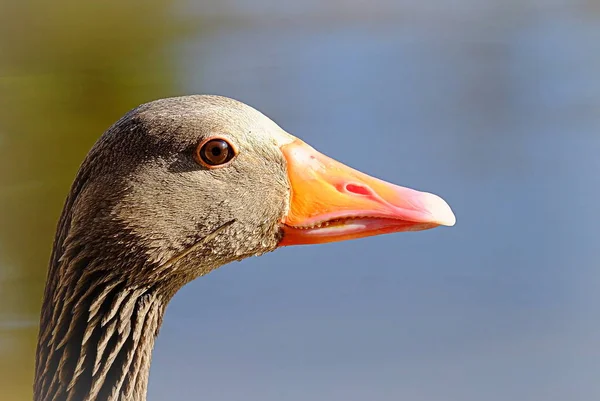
x: 493, y: 105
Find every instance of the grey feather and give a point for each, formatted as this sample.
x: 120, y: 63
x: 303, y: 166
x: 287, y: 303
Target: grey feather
x: 143, y: 218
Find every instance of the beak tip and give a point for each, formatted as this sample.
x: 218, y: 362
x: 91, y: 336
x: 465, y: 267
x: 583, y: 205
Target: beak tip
x: 440, y: 211
x: 449, y: 221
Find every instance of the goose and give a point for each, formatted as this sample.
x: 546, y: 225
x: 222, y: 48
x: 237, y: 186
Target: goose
x: 174, y: 189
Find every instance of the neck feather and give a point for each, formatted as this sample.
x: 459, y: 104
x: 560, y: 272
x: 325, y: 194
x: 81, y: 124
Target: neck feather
x: 96, y: 334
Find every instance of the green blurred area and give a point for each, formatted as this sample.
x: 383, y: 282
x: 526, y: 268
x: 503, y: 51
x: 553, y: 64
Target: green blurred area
x: 68, y: 70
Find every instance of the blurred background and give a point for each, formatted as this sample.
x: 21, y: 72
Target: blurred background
x: 492, y: 104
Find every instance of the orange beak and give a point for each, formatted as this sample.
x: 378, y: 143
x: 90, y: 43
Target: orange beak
x: 333, y: 202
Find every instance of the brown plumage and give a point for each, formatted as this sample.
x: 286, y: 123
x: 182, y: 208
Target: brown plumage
x: 144, y: 218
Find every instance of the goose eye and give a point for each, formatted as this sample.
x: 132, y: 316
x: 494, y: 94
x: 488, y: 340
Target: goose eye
x: 214, y: 152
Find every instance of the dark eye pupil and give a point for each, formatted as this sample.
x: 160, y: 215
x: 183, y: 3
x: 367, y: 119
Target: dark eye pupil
x: 215, y: 152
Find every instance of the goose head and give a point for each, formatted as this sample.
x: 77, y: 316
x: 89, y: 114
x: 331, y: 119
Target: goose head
x: 173, y: 190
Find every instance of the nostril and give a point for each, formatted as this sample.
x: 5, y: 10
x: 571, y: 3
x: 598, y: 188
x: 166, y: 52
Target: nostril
x: 358, y: 189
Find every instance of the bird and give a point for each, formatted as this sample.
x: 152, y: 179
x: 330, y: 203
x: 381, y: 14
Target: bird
x: 173, y: 190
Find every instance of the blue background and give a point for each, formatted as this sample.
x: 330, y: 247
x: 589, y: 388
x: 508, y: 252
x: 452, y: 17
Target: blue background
x: 493, y: 105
